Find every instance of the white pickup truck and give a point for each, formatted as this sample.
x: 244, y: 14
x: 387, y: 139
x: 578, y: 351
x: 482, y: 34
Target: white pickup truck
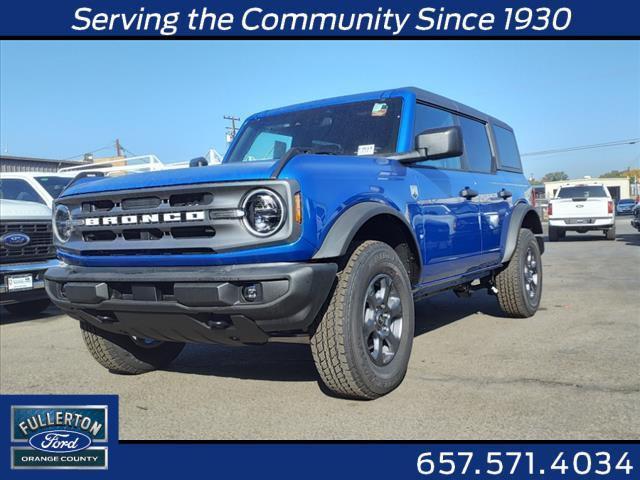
x: 26, y: 252
x: 581, y: 208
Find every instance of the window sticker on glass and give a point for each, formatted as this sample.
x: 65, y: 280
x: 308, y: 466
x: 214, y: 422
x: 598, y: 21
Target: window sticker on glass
x: 366, y: 149
x: 379, y: 109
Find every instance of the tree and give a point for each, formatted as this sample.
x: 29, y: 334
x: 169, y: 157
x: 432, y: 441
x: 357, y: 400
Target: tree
x: 613, y: 174
x: 555, y: 176
x: 632, y: 173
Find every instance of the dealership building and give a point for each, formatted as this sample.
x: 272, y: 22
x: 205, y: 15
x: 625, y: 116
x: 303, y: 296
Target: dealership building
x: 10, y: 163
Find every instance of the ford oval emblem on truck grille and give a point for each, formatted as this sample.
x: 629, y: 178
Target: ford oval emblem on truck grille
x: 14, y: 240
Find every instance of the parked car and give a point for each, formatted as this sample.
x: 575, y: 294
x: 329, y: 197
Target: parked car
x: 581, y: 208
x: 323, y: 223
x: 635, y: 221
x: 38, y: 187
x: 26, y: 251
x: 625, y: 206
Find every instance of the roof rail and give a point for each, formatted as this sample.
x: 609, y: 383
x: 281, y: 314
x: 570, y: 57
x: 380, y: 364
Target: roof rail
x: 120, y: 166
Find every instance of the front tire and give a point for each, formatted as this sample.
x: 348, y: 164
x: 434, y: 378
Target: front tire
x: 362, y: 343
x: 519, y: 284
x: 126, y: 355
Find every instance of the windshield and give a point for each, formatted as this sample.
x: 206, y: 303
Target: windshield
x: 54, y: 185
x: 627, y: 201
x: 359, y: 128
x: 585, y: 191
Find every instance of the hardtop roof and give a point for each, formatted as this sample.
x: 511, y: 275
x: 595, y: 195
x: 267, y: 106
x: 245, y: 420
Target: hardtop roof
x: 420, y: 95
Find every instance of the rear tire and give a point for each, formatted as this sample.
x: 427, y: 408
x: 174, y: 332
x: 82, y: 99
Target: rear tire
x: 611, y: 233
x: 122, y: 354
x: 362, y: 343
x: 28, y: 308
x: 519, y: 284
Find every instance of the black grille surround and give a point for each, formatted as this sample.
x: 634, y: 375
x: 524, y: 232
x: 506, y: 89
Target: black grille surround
x: 185, y: 219
x: 39, y: 248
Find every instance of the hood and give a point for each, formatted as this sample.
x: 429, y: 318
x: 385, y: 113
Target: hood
x: 226, y: 172
x: 19, y: 210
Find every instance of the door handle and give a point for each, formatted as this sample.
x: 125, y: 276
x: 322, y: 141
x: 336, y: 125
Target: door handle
x: 468, y: 193
x: 504, y: 194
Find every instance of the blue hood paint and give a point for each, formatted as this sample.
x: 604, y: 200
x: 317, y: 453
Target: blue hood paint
x: 228, y: 172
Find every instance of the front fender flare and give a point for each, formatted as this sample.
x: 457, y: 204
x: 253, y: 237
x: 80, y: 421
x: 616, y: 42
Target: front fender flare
x: 345, y: 228
x: 516, y: 221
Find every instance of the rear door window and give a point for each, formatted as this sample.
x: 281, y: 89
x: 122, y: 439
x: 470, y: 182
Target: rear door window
x: 508, y: 154
x: 476, y: 145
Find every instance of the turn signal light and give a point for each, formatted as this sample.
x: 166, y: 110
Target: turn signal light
x: 610, y: 210
x: 550, y: 209
x: 297, y: 207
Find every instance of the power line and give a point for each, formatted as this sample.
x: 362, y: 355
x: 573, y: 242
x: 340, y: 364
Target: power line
x: 631, y: 141
x: 91, y: 151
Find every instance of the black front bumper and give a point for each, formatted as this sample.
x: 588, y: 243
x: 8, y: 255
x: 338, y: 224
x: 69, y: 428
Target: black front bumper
x: 195, y: 304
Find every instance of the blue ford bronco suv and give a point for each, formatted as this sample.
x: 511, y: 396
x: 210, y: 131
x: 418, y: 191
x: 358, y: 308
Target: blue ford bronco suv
x: 323, y: 224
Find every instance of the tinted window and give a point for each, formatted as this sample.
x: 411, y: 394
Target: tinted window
x: 53, y: 185
x: 476, y: 145
x: 585, y: 191
x: 15, y: 189
x: 507, y: 148
x: 359, y: 128
x: 427, y: 118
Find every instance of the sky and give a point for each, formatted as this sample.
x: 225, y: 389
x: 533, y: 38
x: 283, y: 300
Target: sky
x: 60, y: 99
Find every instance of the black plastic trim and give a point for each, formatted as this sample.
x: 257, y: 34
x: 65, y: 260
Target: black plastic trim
x: 279, y: 308
x: 346, y: 227
x: 518, y: 213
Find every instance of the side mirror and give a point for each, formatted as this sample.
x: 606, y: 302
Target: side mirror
x: 198, y: 162
x: 437, y: 143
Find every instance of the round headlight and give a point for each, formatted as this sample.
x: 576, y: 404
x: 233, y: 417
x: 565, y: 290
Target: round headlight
x: 62, y: 225
x: 263, y: 212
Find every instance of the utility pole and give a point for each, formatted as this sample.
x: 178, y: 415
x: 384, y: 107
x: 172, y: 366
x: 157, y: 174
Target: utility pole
x: 118, y: 148
x: 231, y: 131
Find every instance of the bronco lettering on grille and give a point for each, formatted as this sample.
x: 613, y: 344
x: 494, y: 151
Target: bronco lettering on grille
x: 146, y: 218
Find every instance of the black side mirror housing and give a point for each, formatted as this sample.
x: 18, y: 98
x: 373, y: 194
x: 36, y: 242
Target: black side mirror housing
x: 198, y: 162
x: 436, y: 143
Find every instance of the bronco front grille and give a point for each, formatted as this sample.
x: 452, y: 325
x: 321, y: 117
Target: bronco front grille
x: 185, y: 219
x: 39, y: 248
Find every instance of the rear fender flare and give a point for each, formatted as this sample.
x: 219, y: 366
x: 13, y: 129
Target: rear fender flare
x: 522, y: 213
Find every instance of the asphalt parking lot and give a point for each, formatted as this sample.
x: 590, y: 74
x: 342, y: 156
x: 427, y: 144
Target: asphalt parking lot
x: 570, y: 372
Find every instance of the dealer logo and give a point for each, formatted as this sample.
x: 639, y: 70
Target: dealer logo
x: 57, y: 437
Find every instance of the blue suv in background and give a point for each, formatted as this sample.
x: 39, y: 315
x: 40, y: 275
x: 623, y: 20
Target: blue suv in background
x: 324, y: 223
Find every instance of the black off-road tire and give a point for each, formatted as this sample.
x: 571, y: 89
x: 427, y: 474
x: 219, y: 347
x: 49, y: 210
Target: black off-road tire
x: 512, y: 293
x: 121, y: 354
x: 338, y: 343
x: 28, y: 308
x: 555, y: 234
x: 611, y: 233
